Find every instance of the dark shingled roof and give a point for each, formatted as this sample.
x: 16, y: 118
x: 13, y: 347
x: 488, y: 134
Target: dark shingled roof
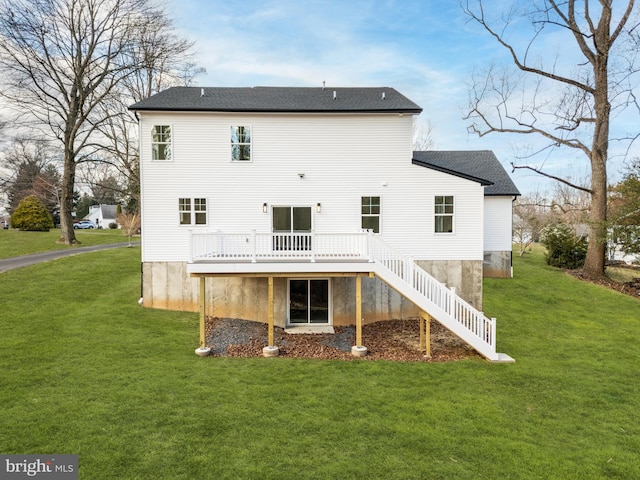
x: 478, y: 165
x: 279, y: 99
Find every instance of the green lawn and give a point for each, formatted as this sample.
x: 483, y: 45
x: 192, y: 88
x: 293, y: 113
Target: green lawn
x: 14, y: 243
x: 84, y: 369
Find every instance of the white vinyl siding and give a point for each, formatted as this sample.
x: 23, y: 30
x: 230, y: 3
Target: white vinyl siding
x: 498, y: 224
x: 336, y: 175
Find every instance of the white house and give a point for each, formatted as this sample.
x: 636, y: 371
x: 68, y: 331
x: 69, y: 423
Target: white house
x: 308, y: 206
x: 102, y: 215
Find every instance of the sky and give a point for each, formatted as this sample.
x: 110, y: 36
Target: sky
x: 425, y: 49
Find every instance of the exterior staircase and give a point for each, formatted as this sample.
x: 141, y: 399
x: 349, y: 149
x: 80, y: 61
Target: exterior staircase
x: 442, y: 303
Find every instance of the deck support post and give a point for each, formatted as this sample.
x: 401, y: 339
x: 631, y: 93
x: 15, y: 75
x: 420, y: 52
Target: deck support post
x: 202, y: 300
x: 425, y: 333
x: 358, y: 350
x: 203, y: 350
x: 270, y: 313
x: 270, y: 350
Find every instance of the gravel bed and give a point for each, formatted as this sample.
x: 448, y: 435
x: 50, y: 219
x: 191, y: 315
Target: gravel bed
x: 386, y: 340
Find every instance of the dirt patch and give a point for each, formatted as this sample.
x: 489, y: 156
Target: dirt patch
x: 386, y: 340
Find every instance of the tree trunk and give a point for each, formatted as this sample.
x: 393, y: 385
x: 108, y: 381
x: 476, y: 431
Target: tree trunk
x: 67, y: 233
x: 596, y: 249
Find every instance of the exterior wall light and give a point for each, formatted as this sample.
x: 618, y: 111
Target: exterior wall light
x: 264, y: 208
x: 318, y: 207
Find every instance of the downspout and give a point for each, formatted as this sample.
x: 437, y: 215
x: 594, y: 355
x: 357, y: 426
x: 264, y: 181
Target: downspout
x: 141, y: 299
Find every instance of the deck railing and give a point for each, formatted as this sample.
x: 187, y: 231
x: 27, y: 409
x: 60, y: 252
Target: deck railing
x: 400, y: 270
x: 255, y: 247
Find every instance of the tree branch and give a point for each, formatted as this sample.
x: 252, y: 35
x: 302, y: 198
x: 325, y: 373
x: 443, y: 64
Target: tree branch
x: 553, y: 177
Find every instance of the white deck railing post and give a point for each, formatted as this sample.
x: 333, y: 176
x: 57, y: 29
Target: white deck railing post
x: 493, y: 333
x: 191, y: 245
x: 369, y: 252
x: 452, y: 302
x: 253, y: 246
x: 313, y: 246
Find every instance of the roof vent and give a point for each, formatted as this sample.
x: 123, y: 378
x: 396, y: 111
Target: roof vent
x: 383, y: 96
x: 202, y: 92
x: 323, y: 83
x: 335, y: 95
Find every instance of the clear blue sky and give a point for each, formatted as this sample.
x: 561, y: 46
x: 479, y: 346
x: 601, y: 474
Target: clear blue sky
x: 426, y: 49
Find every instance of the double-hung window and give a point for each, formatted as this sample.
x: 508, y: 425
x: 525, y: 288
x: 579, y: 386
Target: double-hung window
x: 444, y: 214
x: 161, y: 142
x: 370, y: 211
x: 193, y: 211
x: 240, y: 144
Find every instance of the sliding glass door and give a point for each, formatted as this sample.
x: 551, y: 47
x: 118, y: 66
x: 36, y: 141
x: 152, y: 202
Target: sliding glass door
x: 308, y: 301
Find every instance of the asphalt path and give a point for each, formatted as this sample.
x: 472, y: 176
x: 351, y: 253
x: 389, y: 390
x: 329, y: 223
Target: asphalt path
x: 26, y: 260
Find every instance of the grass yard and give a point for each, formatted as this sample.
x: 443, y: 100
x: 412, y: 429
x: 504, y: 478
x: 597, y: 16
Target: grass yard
x: 84, y: 369
x: 14, y: 243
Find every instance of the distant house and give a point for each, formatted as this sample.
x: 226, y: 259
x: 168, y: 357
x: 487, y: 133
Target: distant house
x: 102, y: 215
x: 308, y: 207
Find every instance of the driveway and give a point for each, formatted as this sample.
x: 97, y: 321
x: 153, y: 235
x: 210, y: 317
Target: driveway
x: 26, y: 260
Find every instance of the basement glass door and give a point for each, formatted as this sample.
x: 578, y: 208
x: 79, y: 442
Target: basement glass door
x: 289, y: 225
x: 308, y: 301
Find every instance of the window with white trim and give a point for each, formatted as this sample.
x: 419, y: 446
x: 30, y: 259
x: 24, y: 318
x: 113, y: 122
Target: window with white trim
x: 240, y: 144
x: 193, y: 211
x: 370, y: 211
x: 161, y: 142
x: 443, y: 214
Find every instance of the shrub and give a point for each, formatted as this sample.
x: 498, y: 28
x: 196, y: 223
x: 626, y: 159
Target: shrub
x: 564, y: 248
x: 31, y: 215
x: 113, y: 225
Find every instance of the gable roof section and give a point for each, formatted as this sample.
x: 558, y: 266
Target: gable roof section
x: 477, y: 165
x: 279, y: 99
x: 109, y: 211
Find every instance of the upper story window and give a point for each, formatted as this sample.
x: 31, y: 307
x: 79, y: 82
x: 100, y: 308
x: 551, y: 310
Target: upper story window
x: 241, y: 144
x: 161, y: 142
x: 444, y: 214
x: 193, y: 211
x: 370, y: 210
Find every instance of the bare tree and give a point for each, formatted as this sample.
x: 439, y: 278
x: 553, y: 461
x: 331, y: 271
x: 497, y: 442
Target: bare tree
x: 571, y: 205
x: 60, y: 60
x: 165, y: 60
x: 531, y: 214
x: 130, y: 223
x: 569, y: 104
x: 423, y: 136
x: 30, y: 169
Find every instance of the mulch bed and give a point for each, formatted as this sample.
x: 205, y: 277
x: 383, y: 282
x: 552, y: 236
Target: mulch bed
x: 396, y: 340
x: 631, y: 288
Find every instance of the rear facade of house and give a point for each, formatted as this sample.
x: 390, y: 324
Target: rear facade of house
x: 288, y: 198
